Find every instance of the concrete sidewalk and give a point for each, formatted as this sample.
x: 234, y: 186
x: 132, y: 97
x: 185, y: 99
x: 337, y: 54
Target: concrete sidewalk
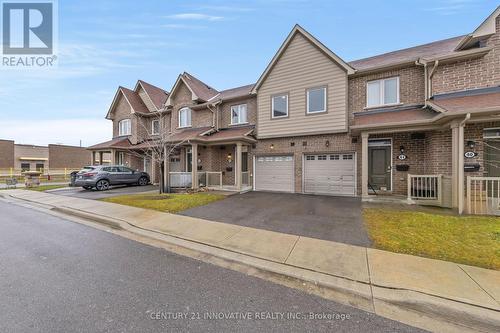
x: 382, y: 282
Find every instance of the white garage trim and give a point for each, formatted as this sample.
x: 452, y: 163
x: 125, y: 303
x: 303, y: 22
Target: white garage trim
x: 328, y: 156
x: 274, y: 173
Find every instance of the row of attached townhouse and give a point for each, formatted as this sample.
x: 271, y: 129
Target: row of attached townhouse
x: 420, y: 123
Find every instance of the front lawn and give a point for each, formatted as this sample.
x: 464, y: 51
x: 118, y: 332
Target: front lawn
x: 471, y: 240
x: 170, y: 203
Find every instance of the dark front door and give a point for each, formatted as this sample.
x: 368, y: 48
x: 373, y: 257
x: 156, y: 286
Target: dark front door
x: 379, y: 171
x: 491, y: 158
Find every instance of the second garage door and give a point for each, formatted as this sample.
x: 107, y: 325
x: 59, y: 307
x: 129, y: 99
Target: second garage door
x: 332, y: 174
x: 274, y: 173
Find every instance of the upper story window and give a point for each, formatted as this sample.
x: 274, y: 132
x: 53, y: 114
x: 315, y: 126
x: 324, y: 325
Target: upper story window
x: 184, y: 117
x: 279, y: 106
x: 238, y: 114
x: 124, y: 127
x: 316, y: 100
x: 382, y: 92
x: 155, y: 127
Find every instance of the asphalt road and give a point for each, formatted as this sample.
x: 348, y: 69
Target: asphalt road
x: 60, y: 276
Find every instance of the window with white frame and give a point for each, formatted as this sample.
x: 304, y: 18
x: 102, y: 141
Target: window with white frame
x: 155, y: 127
x: 124, y: 127
x: 238, y: 114
x: 316, y: 100
x: 382, y: 92
x: 279, y: 106
x: 184, y: 117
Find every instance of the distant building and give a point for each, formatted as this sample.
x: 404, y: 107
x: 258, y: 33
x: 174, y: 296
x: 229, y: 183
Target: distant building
x: 30, y: 157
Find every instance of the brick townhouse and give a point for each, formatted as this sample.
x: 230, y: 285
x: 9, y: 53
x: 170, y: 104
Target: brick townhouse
x: 419, y: 124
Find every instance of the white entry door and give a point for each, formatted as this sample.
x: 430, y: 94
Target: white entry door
x: 333, y: 174
x: 274, y: 173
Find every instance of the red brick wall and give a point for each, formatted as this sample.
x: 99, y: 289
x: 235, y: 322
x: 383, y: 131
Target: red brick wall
x: 469, y: 74
x: 340, y: 143
x: 411, y: 83
x: 6, y: 154
x: 68, y: 157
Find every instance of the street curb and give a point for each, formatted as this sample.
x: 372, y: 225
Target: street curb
x: 415, y: 308
x: 368, y: 297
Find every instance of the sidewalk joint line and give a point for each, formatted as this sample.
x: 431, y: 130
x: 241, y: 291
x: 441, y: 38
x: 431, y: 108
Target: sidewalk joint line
x: 487, y: 293
x: 293, y: 247
x: 370, y: 280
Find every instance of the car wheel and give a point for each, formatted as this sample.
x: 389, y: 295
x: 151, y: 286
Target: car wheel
x: 143, y: 181
x: 102, y: 185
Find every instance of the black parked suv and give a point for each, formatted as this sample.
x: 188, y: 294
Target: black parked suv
x: 103, y: 176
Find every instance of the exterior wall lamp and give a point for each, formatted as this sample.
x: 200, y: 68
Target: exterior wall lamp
x: 229, y: 157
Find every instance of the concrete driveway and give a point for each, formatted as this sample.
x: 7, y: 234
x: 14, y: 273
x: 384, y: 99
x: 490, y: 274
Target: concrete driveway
x: 79, y: 192
x: 324, y: 217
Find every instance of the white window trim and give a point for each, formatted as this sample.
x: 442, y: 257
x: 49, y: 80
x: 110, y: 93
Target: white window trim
x: 272, y: 106
x: 153, y: 127
x: 239, y: 114
x: 180, y: 111
x: 324, y: 97
x: 128, y: 127
x: 382, y: 87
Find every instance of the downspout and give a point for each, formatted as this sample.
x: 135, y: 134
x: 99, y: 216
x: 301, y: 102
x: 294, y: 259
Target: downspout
x: 427, y: 77
x: 426, y: 81
x: 215, y: 114
x: 461, y: 164
x: 431, y: 74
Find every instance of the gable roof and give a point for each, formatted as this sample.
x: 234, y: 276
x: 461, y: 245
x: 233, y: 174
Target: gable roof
x: 236, y: 92
x: 200, y: 91
x: 484, y: 30
x: 119, y: 142
x: 409, y: 55
x: 133, y: 99
x: 297, y: 29
x: 157, y: 95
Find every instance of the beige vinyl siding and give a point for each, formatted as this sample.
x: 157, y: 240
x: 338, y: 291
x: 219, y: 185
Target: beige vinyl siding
x: 303, y: 66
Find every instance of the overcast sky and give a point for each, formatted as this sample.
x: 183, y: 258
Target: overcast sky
x: 104, y: 44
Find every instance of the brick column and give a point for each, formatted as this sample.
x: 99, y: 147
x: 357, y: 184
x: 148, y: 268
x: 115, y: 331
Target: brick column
x: 364, y: 165
x: 237, y: 166
x: 194, y: 159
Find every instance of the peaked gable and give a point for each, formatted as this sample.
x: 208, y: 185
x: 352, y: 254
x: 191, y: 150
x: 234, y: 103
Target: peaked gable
x: 156, y: 97
x: 484, y: 30
x: 298, y: 30
x: 131, y: 97
x: 200, y: 91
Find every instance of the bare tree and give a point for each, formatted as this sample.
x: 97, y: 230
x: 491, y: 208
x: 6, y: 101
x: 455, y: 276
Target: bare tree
x: 159, y: 145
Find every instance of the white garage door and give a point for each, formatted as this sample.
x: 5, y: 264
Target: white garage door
x: 330, y: 174
x: 274, y: 173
